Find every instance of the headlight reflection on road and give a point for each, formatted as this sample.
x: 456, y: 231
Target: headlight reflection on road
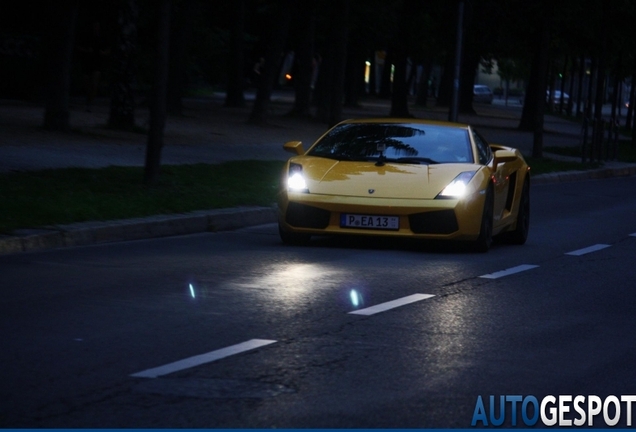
x: 292, y: 284
x: 457, y: 325
x: 298, y: 278
x: 356, y: 298
x: 286, y: 286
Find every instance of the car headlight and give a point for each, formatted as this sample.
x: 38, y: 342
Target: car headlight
x: 295, y: 178
x: 458, y: 187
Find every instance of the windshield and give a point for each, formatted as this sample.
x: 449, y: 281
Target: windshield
x: 396, y: 142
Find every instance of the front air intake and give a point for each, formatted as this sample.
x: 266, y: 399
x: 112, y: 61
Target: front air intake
x: 434, y: 222
x: 304, y: 216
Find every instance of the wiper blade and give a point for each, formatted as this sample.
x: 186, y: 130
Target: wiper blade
x: 415, y: 160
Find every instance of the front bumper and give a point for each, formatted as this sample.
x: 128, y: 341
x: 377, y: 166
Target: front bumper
x: 443, y: 219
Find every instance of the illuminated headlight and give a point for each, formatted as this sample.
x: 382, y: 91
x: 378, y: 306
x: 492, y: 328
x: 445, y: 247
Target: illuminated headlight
x: 458, y: 187
x: 295, y: 179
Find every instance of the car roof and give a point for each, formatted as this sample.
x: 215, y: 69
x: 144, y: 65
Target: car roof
x: 407, y: 121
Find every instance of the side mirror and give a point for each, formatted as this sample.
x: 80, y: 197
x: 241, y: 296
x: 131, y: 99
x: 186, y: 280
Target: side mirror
x: 295, y: 147
x: 502, y: 156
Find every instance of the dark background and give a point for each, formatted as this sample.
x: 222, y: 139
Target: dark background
x: 162, y: 51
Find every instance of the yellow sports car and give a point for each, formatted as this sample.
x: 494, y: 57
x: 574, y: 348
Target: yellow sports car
x: 405, y: 178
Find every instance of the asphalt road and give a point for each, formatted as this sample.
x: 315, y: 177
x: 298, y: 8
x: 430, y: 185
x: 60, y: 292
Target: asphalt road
x: 85, y: 329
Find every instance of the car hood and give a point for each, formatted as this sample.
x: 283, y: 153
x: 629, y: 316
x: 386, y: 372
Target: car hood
x: 365, y: 179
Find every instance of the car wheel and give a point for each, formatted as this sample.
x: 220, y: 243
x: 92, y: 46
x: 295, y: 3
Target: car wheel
x: 291, y: 238
x: 520, y: 233
x: 484, y: 241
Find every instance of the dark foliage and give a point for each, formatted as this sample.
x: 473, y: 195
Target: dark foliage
x: 335, y: 53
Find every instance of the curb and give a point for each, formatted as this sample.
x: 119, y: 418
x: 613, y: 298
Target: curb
x: 90, y: 233
x: 601, y: 173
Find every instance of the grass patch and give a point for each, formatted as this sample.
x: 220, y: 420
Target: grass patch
x: 544, y: 166
x: 61, y: 196
x: 626, y: 152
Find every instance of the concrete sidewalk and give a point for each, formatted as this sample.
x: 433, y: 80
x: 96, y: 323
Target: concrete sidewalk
x: 210, y: 133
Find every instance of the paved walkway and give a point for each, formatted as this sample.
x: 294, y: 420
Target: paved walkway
x: 211, y: 133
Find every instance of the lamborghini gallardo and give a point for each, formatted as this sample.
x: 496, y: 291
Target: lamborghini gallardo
x: 405, y: 178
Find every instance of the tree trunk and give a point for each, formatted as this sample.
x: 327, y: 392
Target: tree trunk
x: 236, y: 61
x: 278, y: 26
x: 333, y: 70
x: 550, y: 83
x: 571, y: 90
x: 445, y: 92
x: 341, y: 9
x: 354, y: 77
x: 630, y: 108
x: 399, y: 97
x: 579, y: 92
x: 423, y: 87
x: 617, y: 94
x: 373, y: 74
x: 590, y: 88
x: 467, y: 75
x: 305, y: 62
x: 180, y: 35
x: 600, y: 89
x: 530, y: 108
x: 122, y: 101
x: 534, y: 104
x: 159, y: 95
x: 60, y: 43
x: 537, y: 140
x: 562, y: 87
x: 385, y: 78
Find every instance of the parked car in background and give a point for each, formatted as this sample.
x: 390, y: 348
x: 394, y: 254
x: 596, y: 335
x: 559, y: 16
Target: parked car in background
x: 556, y: 97
x: 482, y: 94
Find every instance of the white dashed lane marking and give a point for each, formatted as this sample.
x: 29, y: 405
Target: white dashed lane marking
x: 392, y: 304
x: 203, y: 358
x: 382, y: 307
x: 510, y: 271
x: 588, y: 250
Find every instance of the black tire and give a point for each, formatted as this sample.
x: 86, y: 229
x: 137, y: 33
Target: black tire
x: 484, y: 241
x: 520, y: 234
x: 294, y: 239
